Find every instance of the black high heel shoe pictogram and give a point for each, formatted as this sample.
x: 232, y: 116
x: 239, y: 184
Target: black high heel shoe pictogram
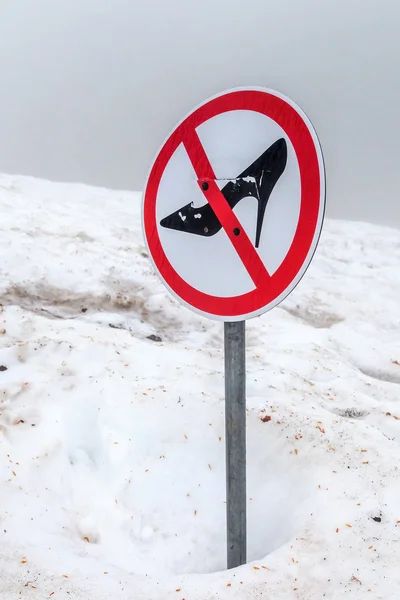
x: 258, y: 180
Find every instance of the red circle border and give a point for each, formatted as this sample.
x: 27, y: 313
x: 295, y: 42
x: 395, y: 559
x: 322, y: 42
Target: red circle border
x: 299, y: 134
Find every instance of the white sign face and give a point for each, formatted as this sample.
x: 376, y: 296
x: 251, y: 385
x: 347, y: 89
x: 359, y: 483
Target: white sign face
x: 234, y: 204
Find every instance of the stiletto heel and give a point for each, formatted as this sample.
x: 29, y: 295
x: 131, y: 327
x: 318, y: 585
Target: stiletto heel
x: 258, y: 180
x: 260, y: 218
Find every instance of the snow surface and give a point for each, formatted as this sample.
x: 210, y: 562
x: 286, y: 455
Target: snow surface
x: 112, y: 472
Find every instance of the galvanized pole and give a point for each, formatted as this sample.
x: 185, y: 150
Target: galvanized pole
x: 235, y: 432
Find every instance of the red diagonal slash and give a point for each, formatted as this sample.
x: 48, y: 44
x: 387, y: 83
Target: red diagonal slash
x: 242, y: 244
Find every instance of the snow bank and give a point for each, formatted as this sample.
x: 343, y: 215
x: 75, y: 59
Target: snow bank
x: 112, y: 473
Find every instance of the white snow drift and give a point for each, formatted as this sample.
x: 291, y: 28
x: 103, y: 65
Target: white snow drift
x: 112, y: 476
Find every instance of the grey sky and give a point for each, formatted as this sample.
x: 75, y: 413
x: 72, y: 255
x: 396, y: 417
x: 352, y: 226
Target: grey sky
x: 90, y: 88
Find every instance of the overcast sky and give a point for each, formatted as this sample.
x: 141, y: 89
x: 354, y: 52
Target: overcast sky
x: 90, y: 88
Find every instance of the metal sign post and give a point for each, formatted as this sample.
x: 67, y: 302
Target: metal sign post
x: 235, y: 433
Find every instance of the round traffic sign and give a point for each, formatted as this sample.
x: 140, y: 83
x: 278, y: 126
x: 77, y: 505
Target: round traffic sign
x: 234, y: 203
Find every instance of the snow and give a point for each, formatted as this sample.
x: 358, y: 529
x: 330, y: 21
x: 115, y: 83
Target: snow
x: 112, y: 472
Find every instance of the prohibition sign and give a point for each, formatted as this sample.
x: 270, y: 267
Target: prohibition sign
x: 220, y: 194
